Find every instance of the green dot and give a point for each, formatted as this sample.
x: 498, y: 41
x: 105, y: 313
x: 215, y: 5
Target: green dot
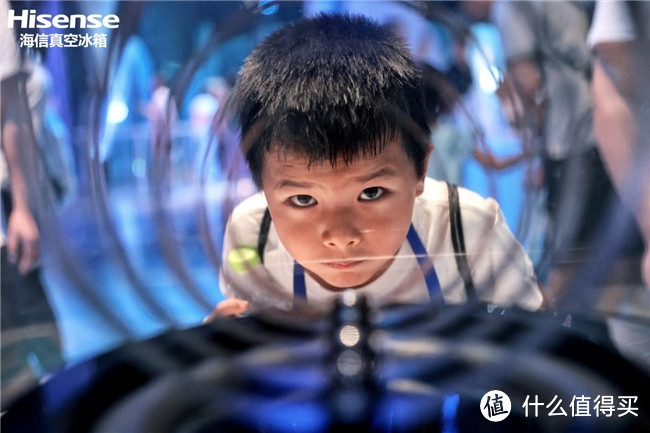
x: 243, y: 259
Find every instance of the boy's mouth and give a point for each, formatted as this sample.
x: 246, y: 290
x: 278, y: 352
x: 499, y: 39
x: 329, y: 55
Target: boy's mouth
x: 344, y: 264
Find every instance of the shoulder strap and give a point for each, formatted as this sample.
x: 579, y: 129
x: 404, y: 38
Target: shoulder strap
x: 265, y: 225
x: 458, y: 241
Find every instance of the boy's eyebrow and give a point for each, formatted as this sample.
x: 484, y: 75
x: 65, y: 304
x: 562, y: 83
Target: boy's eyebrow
x: 384, y: 171
x: 292, y: 183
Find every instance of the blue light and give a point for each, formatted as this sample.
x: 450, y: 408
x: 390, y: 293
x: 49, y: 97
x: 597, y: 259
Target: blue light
x: 270, y: 10
x: 488, y: 78
x: 449, y: 412
x: 117, y: 112
x: 291, y: 377
x: 305, y: 416
x: 406, y: 411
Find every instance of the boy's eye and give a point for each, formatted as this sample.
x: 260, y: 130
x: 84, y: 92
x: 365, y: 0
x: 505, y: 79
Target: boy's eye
x: 302, y: 200
x: 372, y: 193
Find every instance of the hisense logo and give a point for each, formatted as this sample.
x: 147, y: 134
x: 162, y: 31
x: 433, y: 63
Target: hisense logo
x: 28, y: 19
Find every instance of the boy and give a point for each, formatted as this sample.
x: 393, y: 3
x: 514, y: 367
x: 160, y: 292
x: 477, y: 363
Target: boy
x: 334, y: 131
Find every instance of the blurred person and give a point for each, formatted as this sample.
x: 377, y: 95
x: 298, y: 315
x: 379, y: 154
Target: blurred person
x: 620, y: 35
x: 454, y: 142
x: 336, y: 137
x: 161, y: 110
x: 162, y: 114
x: 202, y: 110
x: 30, y: 338
x: 550, y: 65
x: 50, y: 132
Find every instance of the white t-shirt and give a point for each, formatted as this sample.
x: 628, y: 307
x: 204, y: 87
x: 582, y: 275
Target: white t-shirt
x: 501, y: 270
x: 613, y: 22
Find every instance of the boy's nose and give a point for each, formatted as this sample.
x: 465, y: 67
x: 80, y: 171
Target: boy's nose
x: 341, y: 233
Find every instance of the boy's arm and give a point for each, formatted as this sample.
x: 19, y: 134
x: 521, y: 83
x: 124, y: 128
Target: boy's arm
x: 230, y: 306
x: 227, y: 308
x: 243, y: 278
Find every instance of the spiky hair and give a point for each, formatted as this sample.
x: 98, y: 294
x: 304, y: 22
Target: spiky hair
x: 332, y: 87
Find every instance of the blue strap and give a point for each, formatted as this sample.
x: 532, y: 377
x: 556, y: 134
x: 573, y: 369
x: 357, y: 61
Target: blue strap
x: 299, y: 287
x: 426, y: 266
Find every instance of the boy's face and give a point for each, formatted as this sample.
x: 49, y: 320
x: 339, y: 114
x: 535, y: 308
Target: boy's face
x: 343, y: 224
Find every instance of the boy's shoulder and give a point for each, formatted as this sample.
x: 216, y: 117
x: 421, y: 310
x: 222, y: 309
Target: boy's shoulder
x: 436, y: 193
x: 250, y: 206
x: 432, y: 208
x: 246, y: 219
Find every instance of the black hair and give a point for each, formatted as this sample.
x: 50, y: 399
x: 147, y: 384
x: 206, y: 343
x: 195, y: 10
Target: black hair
x: 440, y: 92
x: 331, y: 87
